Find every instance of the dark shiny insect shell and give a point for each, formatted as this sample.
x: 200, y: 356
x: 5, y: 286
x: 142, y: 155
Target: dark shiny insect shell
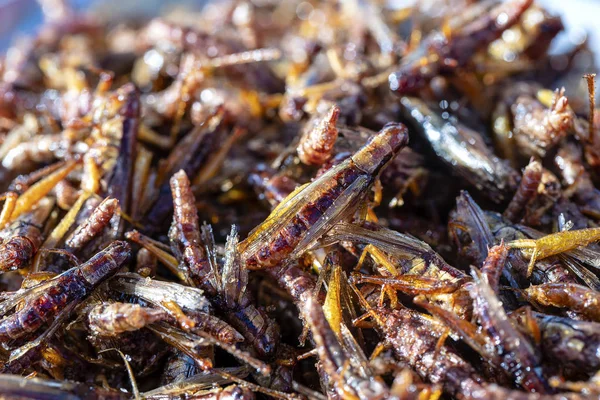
x: 570, y: 342
x: 120, y: 183
x: 73, y: 285
x: 311, y: 210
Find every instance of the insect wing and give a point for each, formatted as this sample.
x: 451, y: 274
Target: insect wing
x: 283, y: 214
x: 343, y: 207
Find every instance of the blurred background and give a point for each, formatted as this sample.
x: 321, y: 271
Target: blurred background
x: 19, y: 17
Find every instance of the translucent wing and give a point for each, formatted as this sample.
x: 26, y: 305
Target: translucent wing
x: 344, y: 206
x: 25, y: 294
x: 283, y: 214
x: 235, y: 278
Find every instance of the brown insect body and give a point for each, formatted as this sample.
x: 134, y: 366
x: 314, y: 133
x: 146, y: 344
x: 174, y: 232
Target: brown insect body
x: 23, y: 237
x: 71, y: 286
x: 293, y: 222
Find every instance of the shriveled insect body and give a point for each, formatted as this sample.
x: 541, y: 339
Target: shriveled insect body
x: 569, y: 161
x: 45, y: 303
x: 318, y: 137
x: 566, y: 341
x: 313, y: 209
x: 93, y: 226
x: 229, y: 293
x: 111, y: 319
x: 574, y: 297
x: 185, y: 235
x: 215, y: 326
x: 414, y: 339
x: 532, y: 176
x: 538, y: 129
x: 494, y: 264
x: 439, y: 53
x: 22, y: 239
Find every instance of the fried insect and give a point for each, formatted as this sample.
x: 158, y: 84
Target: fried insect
x: 341, y: 368
x: 318, y: 137
x: 120, y: 182
x: 538, y: 129
x: 462, y: 149
x: 111, y: 319
x: 555, y: 243
x: 22, y: 387
x: 574, y: 297
x: 22, y: 239
x: 228, y: 287
x: 93, y: 226
x: 532, y: 176
x: 52, y: 301
x: 312, y: 210
x: 444, y: 52
x: 570, y: 342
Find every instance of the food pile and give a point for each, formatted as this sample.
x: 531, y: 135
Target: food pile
x: 300, y: 199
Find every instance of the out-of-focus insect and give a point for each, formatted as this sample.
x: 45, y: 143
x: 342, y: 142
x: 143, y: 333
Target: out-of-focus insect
x: 14, y: 386
x: 312, y: 210
x: 538, y: 129
x: 567, y: 341
x: 444, y: 52
x: 569, y: 161
x: 120, y: 182
x: 532, y: 176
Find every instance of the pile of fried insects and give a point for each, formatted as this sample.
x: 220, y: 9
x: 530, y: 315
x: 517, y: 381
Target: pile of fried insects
x: 300, y: 200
